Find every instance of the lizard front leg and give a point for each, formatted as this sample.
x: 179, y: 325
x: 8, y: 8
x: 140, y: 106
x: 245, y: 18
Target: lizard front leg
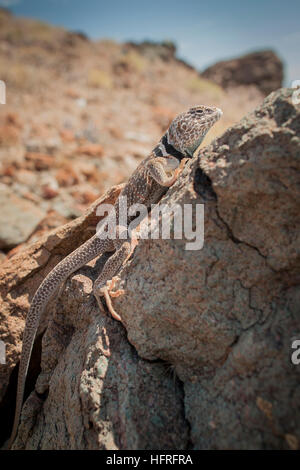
x: 159, y: 167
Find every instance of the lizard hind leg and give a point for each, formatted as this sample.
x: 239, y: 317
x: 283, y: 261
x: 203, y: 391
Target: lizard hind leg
x: 107, y: 295
x: 101, y: 286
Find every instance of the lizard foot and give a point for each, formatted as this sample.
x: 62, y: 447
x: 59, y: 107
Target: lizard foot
x: 111, y: 310
x: 106, y: 293
x: 178, y: 171
x: 111, y: 284
x: 181, y: 166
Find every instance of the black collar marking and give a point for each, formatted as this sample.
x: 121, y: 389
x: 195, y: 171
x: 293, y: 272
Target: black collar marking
x: 172, y: 150
x: 158, y: 152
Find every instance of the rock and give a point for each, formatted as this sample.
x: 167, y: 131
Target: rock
x: 110, y: 387
x: 18, y: 218
x: 67, y: 135
x: 49, y: 146
x: 71, y: 38
x: 224, y: 316
x: 262, y: 69
x: 92, y: 150
x: 65, y: 205
x: 49, y: 192
x: 84, y: 196
x: 9, y: 135
x: 39, y: 161
x: 5, y: 13
x: 13, y: 118
x: 81, y: 102
x: 219, y: 319
x: 71, y: 93
x: 109, y: 398
x: 80, y: 35
x: 51, y: 221
x: 68, y: 175
x: 166, y: 50
x: 25, y: 177
x: 21, y: 275
x: 112, y: 381
x: 137, y: 137
x: 8, y: 170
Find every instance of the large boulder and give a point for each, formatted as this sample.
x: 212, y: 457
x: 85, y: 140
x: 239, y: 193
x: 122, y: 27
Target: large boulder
x: 18, y: 218
x: 263, y: 69
x: 203, y: 358
x: 225, y: 316
x: 20, y: 277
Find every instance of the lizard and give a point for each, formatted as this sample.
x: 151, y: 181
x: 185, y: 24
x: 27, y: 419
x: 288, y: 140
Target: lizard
x: 147, y: 185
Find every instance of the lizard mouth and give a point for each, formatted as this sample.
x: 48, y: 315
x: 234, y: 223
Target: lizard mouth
x: 213, y: 117
x: 216, y: 114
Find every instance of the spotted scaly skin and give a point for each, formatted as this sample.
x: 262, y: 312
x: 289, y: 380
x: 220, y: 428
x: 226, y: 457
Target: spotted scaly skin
x: 149, y: 182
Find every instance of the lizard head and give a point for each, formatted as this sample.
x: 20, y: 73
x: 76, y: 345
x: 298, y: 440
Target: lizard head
x: 187, y: 130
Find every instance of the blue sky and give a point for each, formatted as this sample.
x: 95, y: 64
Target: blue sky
x: 204, y: 31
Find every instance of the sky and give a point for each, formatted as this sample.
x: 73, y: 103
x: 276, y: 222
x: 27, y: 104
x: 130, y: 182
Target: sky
x: 204, y: 31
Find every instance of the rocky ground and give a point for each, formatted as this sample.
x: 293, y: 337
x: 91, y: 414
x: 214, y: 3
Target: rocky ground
x: 202, y: 359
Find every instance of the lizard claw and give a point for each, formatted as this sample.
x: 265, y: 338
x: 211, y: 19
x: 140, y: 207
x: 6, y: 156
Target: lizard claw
x: 106, y: 293
x: 111, y: 310
x: 111, y: 284
x: 178, y: 172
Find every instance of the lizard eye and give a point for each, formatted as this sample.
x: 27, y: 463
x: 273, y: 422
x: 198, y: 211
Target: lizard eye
x: 200, y: 111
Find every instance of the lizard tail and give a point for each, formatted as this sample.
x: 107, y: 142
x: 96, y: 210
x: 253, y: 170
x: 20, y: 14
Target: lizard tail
x: 74, y: 261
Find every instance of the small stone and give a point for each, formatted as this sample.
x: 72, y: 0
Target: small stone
x: 9, y: 135
x: 48, y: 192
x: 13, y: 118
x: 18, y: 219
x: 39, y: 161
x: 67, y: 135
x: 81, y: 102
x: 66, y: 176
x: 92, y: 150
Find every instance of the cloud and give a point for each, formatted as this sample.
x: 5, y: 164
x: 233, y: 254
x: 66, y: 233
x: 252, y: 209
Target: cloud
x: 8, y: 3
